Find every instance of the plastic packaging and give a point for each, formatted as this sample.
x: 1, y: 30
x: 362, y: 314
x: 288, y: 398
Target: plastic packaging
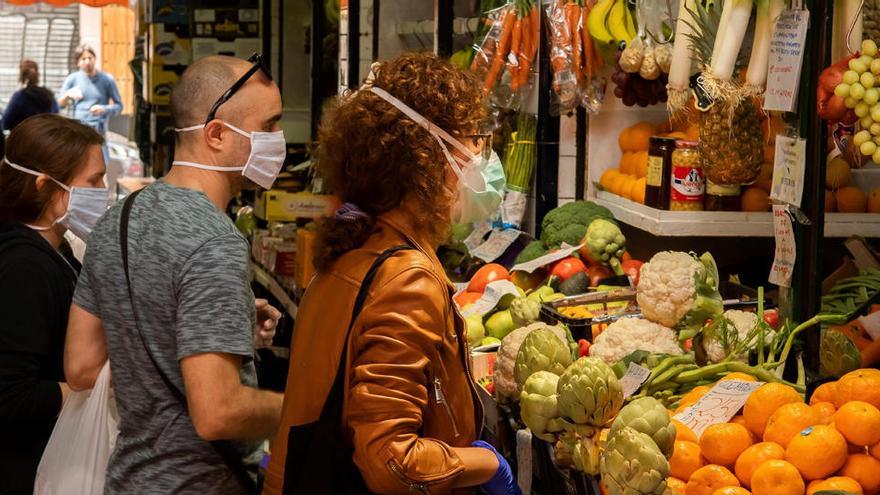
x: 565, y: 84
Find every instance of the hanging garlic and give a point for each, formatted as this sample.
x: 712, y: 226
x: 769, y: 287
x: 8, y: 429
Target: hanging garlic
x: 631, y: 58
x: 649, y: 69
x: 663, y: 56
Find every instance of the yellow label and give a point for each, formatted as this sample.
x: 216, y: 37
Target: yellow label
x: 655, y: 171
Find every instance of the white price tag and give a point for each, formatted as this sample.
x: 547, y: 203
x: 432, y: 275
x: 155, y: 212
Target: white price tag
x: 531, y: 266
x: 788, y: 170
x: 475, y: 238
x: 491, y: 296
x: 786, y: 249
x: 633, y: 379
x: 513, y: 210
x: 719, y: 405
x: 786, y: 59
x: 871, y: 324
x: 495, y: 245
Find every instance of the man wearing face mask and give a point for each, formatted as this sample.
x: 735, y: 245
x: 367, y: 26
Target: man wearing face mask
x: 384, y: 375
x: 165, y: 293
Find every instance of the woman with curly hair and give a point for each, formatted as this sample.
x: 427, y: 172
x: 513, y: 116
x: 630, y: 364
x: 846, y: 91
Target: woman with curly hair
x: 405, y: 157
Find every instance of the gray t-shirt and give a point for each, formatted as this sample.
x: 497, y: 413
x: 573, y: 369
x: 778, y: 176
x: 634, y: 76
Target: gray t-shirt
x: 189, y: 275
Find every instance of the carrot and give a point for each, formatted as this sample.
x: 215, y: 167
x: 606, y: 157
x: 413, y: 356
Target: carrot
x: 587, y: 49
x: 573, y: 16
x: 533, y: 33
x: 516, y: 49
x: 503, y: 49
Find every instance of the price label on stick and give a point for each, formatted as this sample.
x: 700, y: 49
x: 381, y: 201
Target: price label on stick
x: 786, y: 59
x: 635, y: 376
x: 786, y: 248
x: 531, y: 266
x: 718, y: 406
x: 788, y: 170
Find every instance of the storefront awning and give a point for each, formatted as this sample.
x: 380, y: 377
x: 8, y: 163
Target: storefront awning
x: 64, y: 3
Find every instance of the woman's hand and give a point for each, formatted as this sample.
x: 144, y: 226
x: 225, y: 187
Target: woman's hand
x: 503, y: 482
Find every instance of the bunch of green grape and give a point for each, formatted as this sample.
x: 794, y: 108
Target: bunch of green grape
x: 860, y: 90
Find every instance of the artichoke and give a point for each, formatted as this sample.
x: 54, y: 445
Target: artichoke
x: 604, y: 243
x: 506, y: 386
x: 647, y: 415
x: 578, y: 452
x: 537, y: 403
x: 589, y: 392
x: 542, y: 350
x: 525, y: 310
x: 633, y: 465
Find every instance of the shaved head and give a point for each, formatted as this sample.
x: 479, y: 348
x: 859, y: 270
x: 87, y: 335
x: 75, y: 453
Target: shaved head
x: 201, y: 85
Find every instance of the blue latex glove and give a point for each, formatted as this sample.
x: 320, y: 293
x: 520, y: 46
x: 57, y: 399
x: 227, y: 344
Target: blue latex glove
x: 503, y: 483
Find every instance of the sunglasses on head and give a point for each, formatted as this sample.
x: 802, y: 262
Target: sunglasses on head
x: 255, y: 59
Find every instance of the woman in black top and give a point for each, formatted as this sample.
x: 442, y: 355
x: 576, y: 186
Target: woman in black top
x: 31, y: 100
x: 37, y: 278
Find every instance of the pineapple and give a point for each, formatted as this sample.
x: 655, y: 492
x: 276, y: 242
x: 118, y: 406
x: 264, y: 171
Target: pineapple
x: 731, y: 139
x: 871, y: 23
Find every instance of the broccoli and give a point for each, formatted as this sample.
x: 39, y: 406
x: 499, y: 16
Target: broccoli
x: 569, y: 222
x: 533, y: 250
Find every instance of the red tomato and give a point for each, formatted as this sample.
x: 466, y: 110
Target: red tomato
x: 466, y: 298
x: 567, y: 268
x: 598, y: 273
x: 689, y: 345
x: 632, y: 268
x: 626, y: 256
x: 486, y: 275
x: 771, y: 317
x: 583, y: 348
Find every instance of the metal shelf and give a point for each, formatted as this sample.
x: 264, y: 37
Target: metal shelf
x: 267, y: 280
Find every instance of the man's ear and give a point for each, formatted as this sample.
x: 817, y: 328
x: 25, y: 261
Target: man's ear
x: 214, y: 134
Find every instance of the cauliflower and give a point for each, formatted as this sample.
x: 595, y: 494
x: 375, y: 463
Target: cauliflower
x: 679, y: 290
x: 718, y: 344
x: 628, y: 335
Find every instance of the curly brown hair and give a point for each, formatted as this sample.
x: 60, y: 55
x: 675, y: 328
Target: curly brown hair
x: 372, y: 155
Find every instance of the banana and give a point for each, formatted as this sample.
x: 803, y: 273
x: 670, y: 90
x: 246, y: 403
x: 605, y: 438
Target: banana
x: 617, y: 21
x: 630, y: 24
x: 596, y: 22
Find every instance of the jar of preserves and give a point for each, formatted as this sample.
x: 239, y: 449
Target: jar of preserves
x: 722, y: 198
x: 659, y: 172
x: 688, y: 183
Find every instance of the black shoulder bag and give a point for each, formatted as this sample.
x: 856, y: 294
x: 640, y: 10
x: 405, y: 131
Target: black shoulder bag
x: 231, y: 458
x: 319, y: 459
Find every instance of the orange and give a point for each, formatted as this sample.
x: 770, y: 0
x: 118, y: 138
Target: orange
x: 640, y: 136
x: 755, y: 199
x: 732, y: 490
x: 862, y: 384
x: 830, y: 202
x: 626, y: 189
x: 686, y: 458
x: 676, y: 486
x: 817, y: 452
x: 765, y: 176
x: 607, y: 179
x: 753, y: 457
x: 777, y: 477
x: 693, y: 132
x: 825, y: 410
x: 874, y: 201
x: 858, y: 422
x: 638, y: 192
x: 623, y: 140
x: 864, y: 469
x: 739, y: 420
x: 708, y: 479
x: 736, y: 375
x: 841, y: 483
x: 764, y: 402
x: 627, y: 163
x: 618, y: 184
x: 824, y: 393
x: 851, y: 199
x: 640, y: 164
x: 677, y: 135
x: 875, y: 451
x: 788, y: 421
x: 692, y: 397
x: 683, y: 433
x: 723, y: 443
x: 837, y: 174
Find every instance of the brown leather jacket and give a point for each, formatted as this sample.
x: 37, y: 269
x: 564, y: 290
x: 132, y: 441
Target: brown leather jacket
x: 409, y: 396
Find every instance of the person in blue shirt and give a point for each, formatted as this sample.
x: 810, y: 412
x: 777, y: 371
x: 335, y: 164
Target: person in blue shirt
x: 31, y: 100
x: 89, y: 92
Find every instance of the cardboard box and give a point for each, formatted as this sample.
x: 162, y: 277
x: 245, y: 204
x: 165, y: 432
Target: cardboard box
x: 863, y: 257
x: 282, y: 206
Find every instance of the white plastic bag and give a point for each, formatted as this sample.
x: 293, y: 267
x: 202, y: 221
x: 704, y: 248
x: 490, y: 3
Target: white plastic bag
x: 75, y: 459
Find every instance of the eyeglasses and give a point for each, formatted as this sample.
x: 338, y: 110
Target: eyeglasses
x: 255, y: 59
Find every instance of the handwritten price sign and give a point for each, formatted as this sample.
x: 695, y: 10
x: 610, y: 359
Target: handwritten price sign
x: 786, y: 59
x: 718, y: 406
x: 786, y: 248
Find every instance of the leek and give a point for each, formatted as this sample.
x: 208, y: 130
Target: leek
x: 756, y: 76
x: 732, y: 30
x: 678, y: 87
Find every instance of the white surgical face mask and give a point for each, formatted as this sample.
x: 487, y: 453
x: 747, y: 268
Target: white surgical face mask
x: 84, y: 206
x: 480, y: 180
x: 268, y: 151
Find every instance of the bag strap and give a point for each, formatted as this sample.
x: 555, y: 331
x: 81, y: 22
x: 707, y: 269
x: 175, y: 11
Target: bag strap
x: 332, y: 409
x: 230, y: 458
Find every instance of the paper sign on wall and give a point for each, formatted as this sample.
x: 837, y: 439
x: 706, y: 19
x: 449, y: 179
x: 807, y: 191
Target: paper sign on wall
x: 786, y: 59
x: 786, y: 249
x: 718, y: 406
x: 496, y: 244
x: 635, y: 376
x: 531, y: 266
x: 493, y: 293
x: 788, y: 170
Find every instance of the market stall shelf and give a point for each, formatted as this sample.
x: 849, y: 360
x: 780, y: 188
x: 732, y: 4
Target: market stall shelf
x: 265, y: 279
